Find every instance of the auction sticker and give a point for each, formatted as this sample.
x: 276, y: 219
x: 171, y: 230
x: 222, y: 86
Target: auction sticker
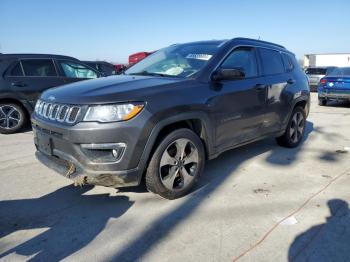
x: 199, y: 56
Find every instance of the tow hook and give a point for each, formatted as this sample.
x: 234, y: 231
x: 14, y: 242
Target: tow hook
x: 71, y: 170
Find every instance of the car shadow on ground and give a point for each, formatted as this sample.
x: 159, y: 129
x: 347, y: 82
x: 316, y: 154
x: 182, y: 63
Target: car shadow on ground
x: 216, y: 173
x: 328, y: 241
x: 334, y: 103
x: 69, y: 220
x: 74, y: 219
x: 280, y: 156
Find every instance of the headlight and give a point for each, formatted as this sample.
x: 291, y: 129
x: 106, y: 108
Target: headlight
x: 112, y: 113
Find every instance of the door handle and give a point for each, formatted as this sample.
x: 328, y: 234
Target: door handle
x: 260, y: 86
x: 290, y: 81
x: 18, y: 84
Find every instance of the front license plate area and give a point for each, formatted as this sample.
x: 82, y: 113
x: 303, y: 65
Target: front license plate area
x: 44, y: 143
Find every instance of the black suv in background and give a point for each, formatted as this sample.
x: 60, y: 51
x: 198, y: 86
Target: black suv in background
x: 171, y: 112
x: 105, y: 68
x: 23, y: 77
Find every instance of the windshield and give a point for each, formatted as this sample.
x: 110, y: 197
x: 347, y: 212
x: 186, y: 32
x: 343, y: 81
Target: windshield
x: 341, y: 71
x: 316, y: 71
x: 182, y: 60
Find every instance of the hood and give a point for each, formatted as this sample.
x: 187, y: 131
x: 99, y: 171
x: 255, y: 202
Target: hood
x: 110, y: 89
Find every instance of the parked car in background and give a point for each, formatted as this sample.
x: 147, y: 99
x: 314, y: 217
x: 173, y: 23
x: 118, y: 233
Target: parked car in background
x: 166, y: 115
x: 105, y: 68
x: 137, y: 57
x: 315, y: 74
x: 335, y: 86
x: 23, y: 77
x: 120, y: 68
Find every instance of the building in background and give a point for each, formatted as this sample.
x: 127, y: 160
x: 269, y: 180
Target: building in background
x: 324, y: 60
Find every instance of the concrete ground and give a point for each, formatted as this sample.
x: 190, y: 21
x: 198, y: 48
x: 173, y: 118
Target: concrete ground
x: 232, y: 213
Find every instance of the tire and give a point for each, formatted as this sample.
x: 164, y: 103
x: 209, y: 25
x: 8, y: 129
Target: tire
x: 297, y: 123
x: 322, y: 102
x: 176, y: 164
x: 12, y: 118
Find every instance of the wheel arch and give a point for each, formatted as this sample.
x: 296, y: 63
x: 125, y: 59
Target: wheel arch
x: 197, y: 122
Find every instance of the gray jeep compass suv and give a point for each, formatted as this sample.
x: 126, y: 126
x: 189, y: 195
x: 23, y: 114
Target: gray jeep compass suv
x: 171, y: 112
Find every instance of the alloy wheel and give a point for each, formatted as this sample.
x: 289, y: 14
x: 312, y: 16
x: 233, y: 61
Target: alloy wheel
x: 297, y: 127
x: 10, y: 117
x: 179, y: 164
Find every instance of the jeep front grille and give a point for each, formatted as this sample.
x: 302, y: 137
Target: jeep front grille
x: 57, y: 112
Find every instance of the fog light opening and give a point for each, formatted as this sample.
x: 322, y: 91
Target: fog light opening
x: 111, y: 152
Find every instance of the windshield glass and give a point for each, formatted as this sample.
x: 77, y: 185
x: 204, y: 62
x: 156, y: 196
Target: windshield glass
x: 316, y: 71
x: 182, y: 60
x: 341, y: 71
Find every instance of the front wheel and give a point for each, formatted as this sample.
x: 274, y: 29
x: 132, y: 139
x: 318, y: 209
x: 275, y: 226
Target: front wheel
x: 295, y: 129
x: 176, y: 164
x: 12, y: 118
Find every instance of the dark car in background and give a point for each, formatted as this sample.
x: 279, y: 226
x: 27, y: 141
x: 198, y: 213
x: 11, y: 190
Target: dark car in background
x: 315, y: 74
x: 335, y: 86
x: 166, y: 115
x: 23, y: 77
x: 105, y: 68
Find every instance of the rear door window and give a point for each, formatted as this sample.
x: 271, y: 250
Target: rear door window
x: 272, y: 62
x: 76, y: 70
x: 38, y: 67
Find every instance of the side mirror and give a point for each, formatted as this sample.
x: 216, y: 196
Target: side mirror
x: 228, y: 74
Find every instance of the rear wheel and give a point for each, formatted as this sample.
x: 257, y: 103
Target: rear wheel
x: 176, y: 164
x: 295, y: 129
x: 12, y: 118
x: 322, y: 102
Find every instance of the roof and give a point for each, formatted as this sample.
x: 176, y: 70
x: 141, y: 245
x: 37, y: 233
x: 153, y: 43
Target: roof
x: 35, y: 56
x: 242, y: 39
x: 256, y: 41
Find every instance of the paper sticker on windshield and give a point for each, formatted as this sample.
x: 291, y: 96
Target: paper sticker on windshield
x: 199, y: 56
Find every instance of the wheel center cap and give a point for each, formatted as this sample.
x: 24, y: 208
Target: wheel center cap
x: 180, y: 163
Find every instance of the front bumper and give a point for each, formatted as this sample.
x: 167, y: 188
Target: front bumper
x: 73, y: 170
x: 65, y: 153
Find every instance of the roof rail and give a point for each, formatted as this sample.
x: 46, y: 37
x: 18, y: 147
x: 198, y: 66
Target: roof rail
x: 259, y: 41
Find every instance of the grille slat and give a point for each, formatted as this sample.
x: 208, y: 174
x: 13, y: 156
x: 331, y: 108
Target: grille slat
x: 58, y: 112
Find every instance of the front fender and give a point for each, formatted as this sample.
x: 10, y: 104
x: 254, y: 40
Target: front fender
x: 202, y: 116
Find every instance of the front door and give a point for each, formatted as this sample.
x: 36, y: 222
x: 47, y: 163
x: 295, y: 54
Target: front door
x: 239, y: 105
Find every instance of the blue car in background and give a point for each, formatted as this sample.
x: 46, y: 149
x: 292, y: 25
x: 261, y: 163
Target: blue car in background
x: 335, y: 86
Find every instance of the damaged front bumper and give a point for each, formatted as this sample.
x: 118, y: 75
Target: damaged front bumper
x: 71, y: 169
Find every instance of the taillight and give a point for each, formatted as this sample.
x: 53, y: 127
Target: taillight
x: 323, y: 81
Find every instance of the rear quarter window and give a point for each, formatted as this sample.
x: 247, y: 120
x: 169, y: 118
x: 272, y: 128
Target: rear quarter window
x: 15, y: 70
x: 271, y: 61
x: 287, y: 61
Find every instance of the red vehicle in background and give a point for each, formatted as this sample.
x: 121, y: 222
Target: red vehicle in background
x: 137, y: 57
x: 133, y: 59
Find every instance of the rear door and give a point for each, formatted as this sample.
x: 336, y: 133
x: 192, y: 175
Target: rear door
x: 30, y: 77
x: 239, y: 104
x: 277, y: 78
x: 73, y: 71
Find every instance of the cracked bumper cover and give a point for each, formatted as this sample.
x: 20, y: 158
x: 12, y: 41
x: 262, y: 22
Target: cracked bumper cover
x: 73, y: 170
